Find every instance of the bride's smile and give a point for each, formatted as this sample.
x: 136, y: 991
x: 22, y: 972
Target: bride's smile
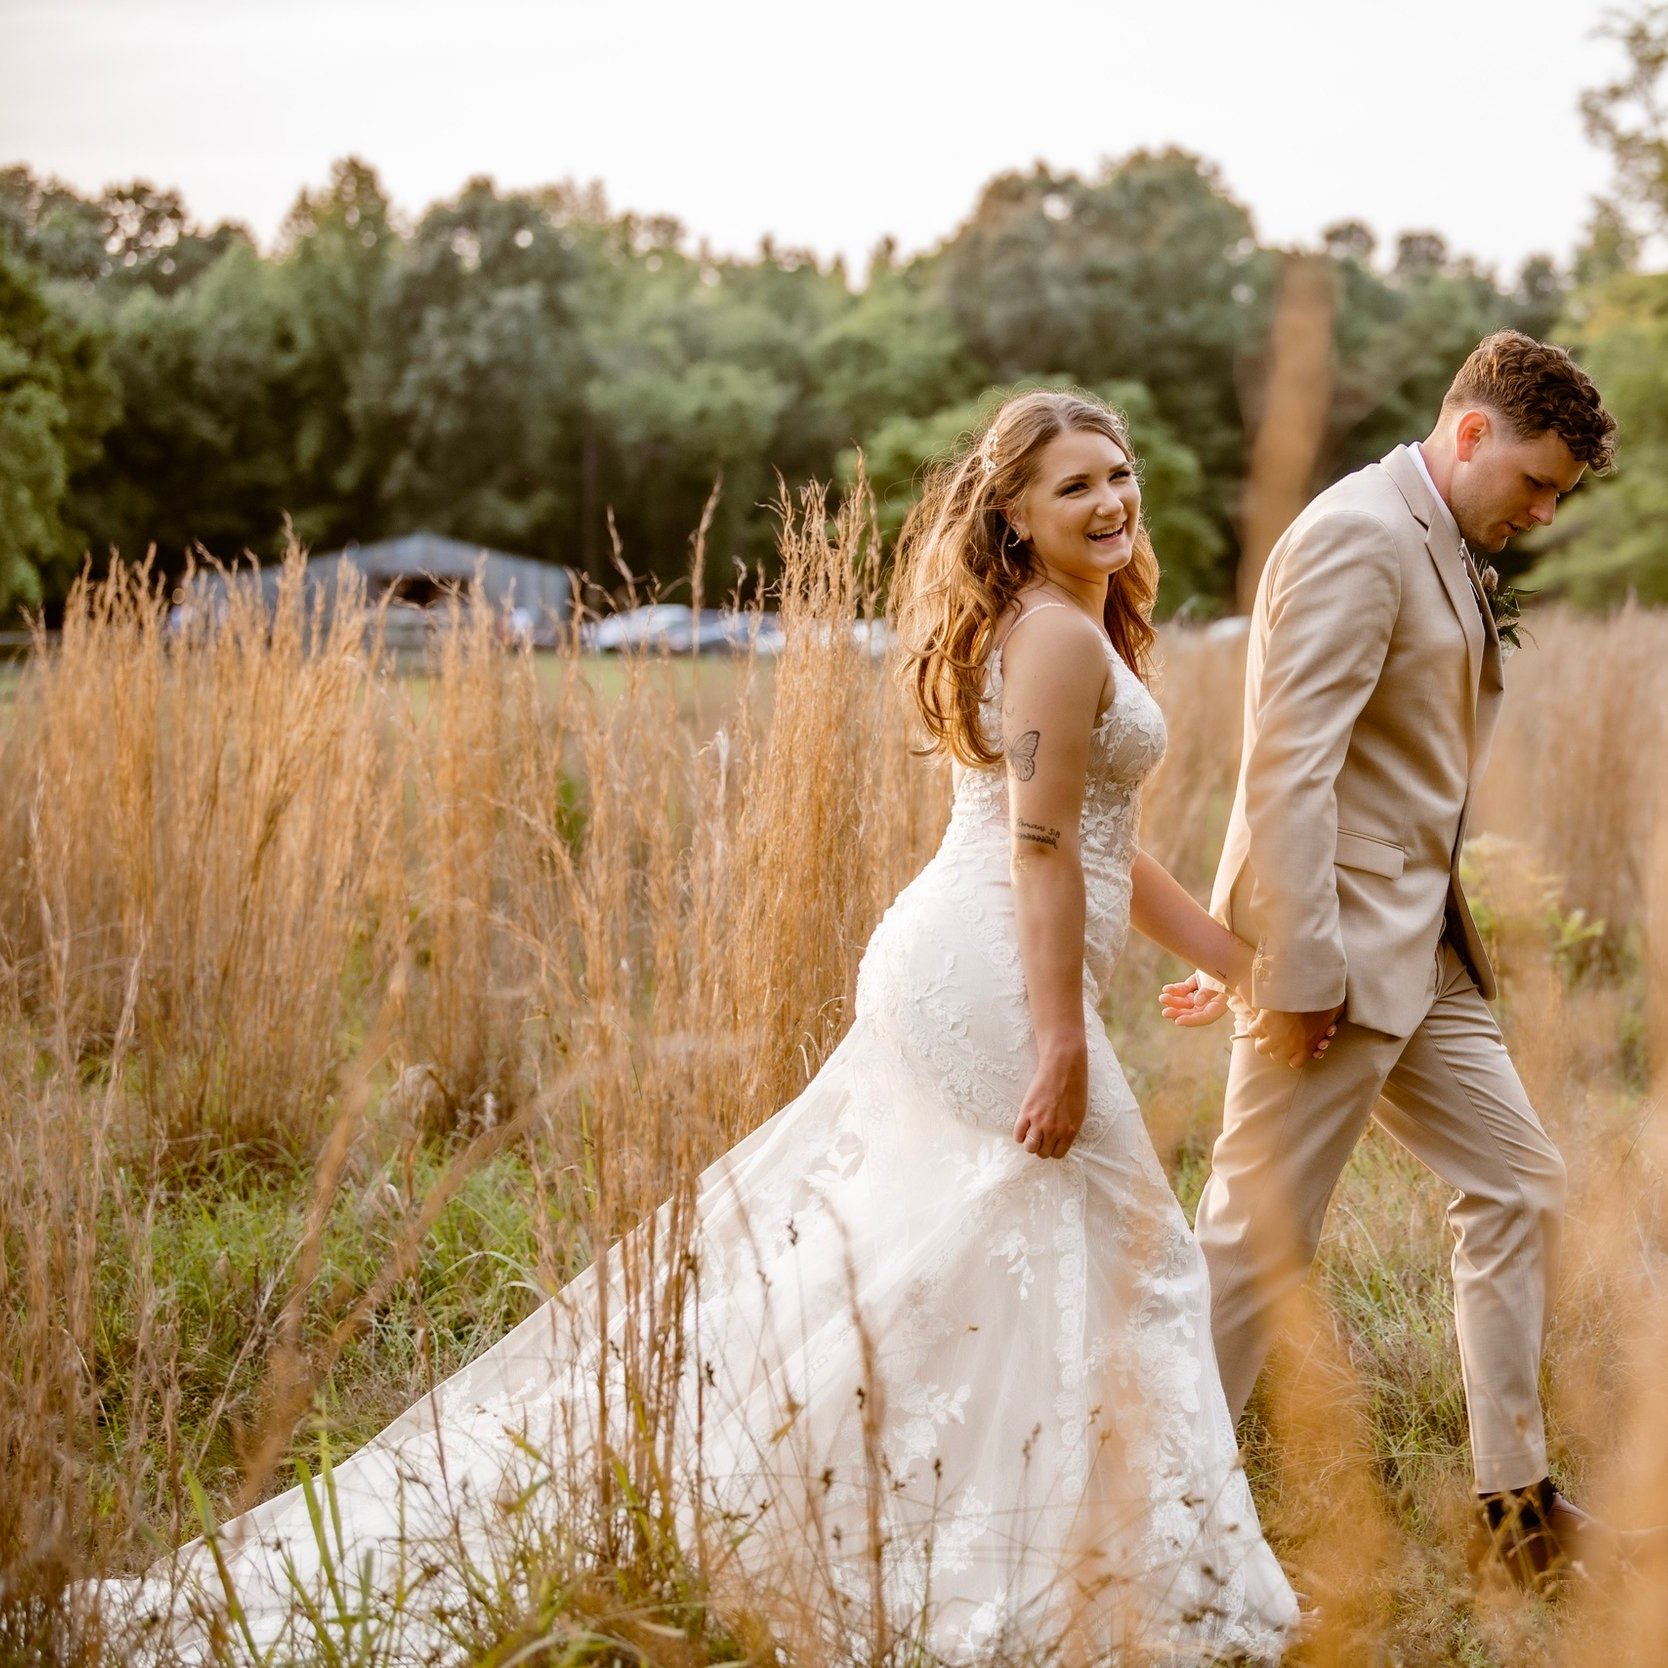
x: 1081, y: 512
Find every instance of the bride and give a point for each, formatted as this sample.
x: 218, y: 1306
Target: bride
x: 930, y: 1348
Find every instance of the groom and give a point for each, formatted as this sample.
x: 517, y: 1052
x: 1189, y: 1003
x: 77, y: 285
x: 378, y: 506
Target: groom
x: 1372, y: 686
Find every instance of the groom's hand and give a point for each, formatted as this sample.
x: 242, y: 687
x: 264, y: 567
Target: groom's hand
x: 1294, y: 1038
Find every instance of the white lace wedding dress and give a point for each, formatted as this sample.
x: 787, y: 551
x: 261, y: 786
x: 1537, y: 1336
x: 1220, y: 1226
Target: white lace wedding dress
x: 926, y: 1380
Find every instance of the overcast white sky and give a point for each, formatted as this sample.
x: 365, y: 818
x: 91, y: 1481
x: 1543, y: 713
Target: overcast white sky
x: 832, y: 124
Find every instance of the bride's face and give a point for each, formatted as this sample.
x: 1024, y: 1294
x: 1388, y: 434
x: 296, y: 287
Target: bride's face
x: 1082, y: 508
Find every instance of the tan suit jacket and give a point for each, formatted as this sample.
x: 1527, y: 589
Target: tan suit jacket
x: 1372, y: 688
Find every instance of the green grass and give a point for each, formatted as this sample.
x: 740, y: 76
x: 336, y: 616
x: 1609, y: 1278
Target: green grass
x: 704, y: 683
x: 707, y: 680
x: 225, y: 1260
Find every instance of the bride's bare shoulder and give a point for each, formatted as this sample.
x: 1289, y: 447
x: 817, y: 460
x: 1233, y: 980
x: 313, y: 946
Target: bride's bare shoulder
x: 1058, y: 654
x: 1034, y: 632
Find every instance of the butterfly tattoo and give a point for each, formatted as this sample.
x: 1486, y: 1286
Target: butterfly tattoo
x: 1022, y: 755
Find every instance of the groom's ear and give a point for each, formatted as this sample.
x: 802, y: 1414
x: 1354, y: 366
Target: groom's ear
x: 1470, y: 432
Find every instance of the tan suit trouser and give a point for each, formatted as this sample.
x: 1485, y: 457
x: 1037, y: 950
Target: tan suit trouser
x: 1452, y: 1097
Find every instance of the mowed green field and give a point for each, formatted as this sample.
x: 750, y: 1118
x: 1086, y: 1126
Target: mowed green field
x: 700, y: 687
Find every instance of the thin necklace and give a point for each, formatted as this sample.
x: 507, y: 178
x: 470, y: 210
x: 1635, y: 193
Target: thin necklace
x: 1060, y: 591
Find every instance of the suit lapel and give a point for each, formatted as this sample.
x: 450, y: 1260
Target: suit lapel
x: 1493, y: 674
x: 1493, y: 656
x: 1486, y: 709
x: 1466, y: 597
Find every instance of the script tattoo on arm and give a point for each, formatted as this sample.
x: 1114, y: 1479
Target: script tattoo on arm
x: 1022, y: 754
x: 1036, y: 834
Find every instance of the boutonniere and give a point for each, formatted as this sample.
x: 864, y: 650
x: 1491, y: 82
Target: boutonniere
x: 1506, y: 605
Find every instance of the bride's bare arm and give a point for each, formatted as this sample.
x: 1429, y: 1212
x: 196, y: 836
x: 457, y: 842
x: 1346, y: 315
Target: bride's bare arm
x: 1054, y: 673
x: 1162, y: 909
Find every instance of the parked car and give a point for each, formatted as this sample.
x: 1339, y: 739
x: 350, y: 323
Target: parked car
x: 873, y: 636
x: 675, y: 628
x: 727, y: 630
x: 516, y: 627
x: 658, y: 625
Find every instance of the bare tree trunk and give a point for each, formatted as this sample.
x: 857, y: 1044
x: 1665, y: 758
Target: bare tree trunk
x: 590, y: 511
x: 1292, y: 425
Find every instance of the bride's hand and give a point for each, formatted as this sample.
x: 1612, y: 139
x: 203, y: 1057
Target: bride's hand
x: 1192, y: 1003
x: 1055, y: 1104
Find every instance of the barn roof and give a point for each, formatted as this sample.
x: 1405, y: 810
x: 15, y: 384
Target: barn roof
x: 430, y: 553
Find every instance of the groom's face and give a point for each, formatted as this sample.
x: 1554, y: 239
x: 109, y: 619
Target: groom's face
x: 1505, y: 484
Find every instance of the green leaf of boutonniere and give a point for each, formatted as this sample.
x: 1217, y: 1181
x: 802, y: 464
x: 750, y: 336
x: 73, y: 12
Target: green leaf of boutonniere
x: 1506, y: 605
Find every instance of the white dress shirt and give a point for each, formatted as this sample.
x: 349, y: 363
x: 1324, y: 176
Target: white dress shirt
x: 1413, y: 450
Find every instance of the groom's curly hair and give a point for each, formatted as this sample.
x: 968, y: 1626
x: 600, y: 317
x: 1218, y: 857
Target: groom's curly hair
x: 1538, y: 389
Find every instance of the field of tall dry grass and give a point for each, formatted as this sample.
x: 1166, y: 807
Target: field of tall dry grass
x: 343, y: 1014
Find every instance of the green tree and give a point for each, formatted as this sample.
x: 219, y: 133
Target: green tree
x: 131, y: 236
x: 521, y: 365
x: 470, y: 401
x: 1538, y: 297
x: 204, y: 449
x: 59, y: 233
x: 894, y: 352
x: 1148, y: 272
x: 336, y: 251
x: 1626, y: 118
x: 1608, y: 544
x: 57, y: 398
x: 703, y: 369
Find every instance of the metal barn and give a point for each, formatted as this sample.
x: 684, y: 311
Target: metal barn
x: 416, y: 573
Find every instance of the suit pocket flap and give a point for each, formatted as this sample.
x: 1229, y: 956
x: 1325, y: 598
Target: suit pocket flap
x: 1367, y: 851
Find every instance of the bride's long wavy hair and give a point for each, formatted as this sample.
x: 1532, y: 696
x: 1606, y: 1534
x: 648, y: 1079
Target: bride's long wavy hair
x: 961, y: 565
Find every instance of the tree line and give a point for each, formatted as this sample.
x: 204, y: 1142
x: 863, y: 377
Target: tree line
x: 535, y: 371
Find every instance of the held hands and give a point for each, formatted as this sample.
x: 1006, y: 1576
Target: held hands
x: 1056, y: 1102
x: 1294, y: 1038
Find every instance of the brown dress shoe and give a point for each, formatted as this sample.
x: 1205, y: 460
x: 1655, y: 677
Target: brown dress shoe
x: 1541, y: 1538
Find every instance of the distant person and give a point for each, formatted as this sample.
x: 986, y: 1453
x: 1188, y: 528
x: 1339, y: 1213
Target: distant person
x: 1372, y: 687
x: 944, y: 1344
